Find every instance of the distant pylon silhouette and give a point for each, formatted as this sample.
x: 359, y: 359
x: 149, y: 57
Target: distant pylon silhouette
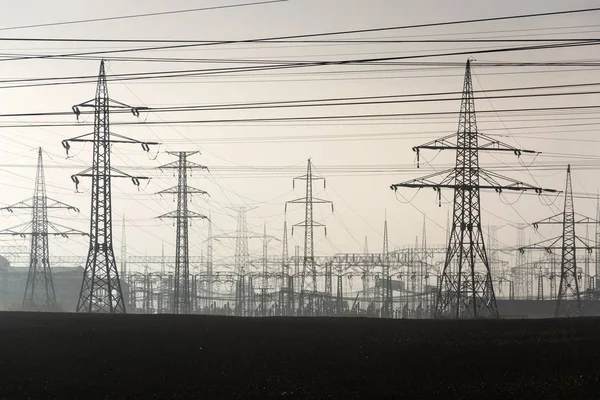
x: 39, y: 290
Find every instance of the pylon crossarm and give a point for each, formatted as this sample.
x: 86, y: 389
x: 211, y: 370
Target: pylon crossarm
x: 189, y: 165
x: 548, y: 245
x: 501, y: 182
x: 20, y: 205
x: 125, y: 139
x: 111, y: 103
x: 447, y: 176
x: 313, y: 177
x: 120, y: 174
x: 558, y: 220
x: 303, y: 224
x: 442, y: 143
x: 64, y: 231
x: 187, y: 189
x: 59, y: 204
x: 489, y: 143
x: 18, y: 230
x: 584, y: 219
x: 555, y: 219
x: 303, y: 200
x: 587, y: 243
x: 485, y: 143
x: 190, y: 214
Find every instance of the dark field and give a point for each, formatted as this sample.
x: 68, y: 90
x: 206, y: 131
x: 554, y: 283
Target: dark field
x: 176, y: 357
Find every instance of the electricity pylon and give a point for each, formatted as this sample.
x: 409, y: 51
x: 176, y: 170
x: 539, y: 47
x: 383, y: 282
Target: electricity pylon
x: 209, y: 266
x: 101, y: 288
x: 309, y: 268
x: 387, y: 303
x: 182, y: 217
x: 466, y: 289
x: 39, y: 290
x: 521, y: 271
x: 568, y: 301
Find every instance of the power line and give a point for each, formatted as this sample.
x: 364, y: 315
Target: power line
x: 302, y: 118
x: 390, y: 99
x: 285, y: 41
x: 121, y: 17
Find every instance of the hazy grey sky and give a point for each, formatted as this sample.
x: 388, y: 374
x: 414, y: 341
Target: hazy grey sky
x: 238, y: 173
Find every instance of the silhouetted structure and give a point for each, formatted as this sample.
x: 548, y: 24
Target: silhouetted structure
x: 101, y: 288
x: 466, y: 289
x: 182, y: 216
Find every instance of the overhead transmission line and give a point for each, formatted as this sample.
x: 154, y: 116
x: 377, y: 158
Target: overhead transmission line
x: 185, y: 72
x: 329, y: 102
x: 304, y: 64
x: 346, y: 32
x: 301, y: 118
x: 130, y: 16
x: 311, y: 35
x: 574, y: 43
x: 287, y: 41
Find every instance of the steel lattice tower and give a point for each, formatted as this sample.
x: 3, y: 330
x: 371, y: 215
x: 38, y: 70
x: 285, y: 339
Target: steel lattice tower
x: 209, y: 265
x: 309, y: 268
x: 568, y: 301
x: 522, y: 289
x: 182, y: 216
x: 284, y: 257
x: 101, y: 287
x: 242, y: 260
x: 466, y: 289
x: 387, y: 280
x: 39, y: 289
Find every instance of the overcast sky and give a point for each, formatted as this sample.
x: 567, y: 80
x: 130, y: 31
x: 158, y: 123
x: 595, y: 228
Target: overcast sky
x: 253, y: 164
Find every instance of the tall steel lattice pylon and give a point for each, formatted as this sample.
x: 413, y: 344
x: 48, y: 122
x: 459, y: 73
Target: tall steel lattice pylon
x: 39, y: 289
x: 521, y: 275
x: 209, y: 266
x: 101, y: 290
x: 244, y: 293
x: 387, y: 306
x: 308, y: 286
x: 182, y: 216
x: 466, y: 289
x: 568, y: 300
x: 569, y: 283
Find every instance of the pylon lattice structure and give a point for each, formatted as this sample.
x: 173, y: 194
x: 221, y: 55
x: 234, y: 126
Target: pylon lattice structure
x: 182, y: 217
x: 242, y: 261
x: 39, y: 289
x: 466, y: 289
x: 101, y: 290
x: 209, y: 265
x: 522, y: 272
x: 568, y: 300
x: 387, y: 306
x: 308, y: 285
